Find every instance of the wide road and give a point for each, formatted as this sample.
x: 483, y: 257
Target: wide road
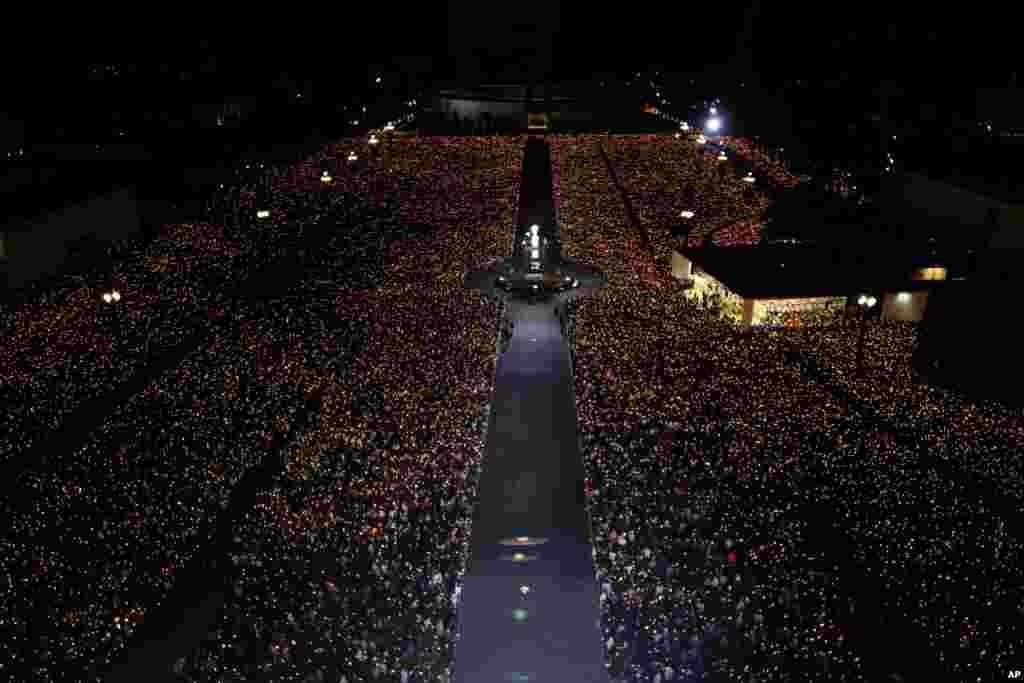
x: 532, y: 619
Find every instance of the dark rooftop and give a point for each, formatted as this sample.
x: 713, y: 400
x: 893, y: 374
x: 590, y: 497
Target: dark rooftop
x: 781, y: 271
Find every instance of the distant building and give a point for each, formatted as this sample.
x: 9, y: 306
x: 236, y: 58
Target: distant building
x: 525, y: 105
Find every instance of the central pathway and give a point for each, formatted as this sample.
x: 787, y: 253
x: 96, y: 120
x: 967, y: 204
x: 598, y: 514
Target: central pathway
x: 529, y: 610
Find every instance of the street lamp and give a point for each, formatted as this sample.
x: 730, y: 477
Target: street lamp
x: 866, y: 303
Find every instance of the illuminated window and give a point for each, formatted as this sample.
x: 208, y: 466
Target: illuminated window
x: 935, y: 273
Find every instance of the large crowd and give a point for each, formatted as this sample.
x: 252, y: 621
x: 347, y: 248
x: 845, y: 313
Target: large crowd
x: 724, y: 479
x: 348, y: 568
x: 379, y: 333
x: 721, y: 466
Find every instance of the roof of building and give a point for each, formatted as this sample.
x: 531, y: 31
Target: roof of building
x: 783, y: 271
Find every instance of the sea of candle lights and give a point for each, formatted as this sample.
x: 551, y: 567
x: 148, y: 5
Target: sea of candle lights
x: 347, y: 568
x: 705, y: 449
x: 164, y: 465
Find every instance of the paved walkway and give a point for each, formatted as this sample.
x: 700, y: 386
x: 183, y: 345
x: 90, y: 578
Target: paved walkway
x: 531, y: 485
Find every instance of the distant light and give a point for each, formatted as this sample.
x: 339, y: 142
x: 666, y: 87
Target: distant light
x: 519, y: 557
x: 352, y: 157
x: 534, y: 228
x: 524, y: 589
x: 262, y: 213
x: 373, y: 139
x: 903, y: 297
x: 749, y: 178
x: 519, y: 614
x: 107, y: 297
x: 535, y: 254
x: 713, y: 110
x: 677, y: 136
x: 687, y: 214
x: 534, y: 241
x: 714, y: 124
x: 722, y: 157
x: 116, y: 295
x: 575, y: 283
x: 862, y: 300
x: 684, y: 125
x: 872, y: 301
x: 378, y: 79
x: 326, y: 178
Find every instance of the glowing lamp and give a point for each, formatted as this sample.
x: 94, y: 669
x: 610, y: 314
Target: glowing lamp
x: 326, y: 178
x: 687, y: 214
x: 107, y: 297
x: 262, y: 213
x: 535, y: 254
x: 903, y: 297
x: 115, y: 295
x: 714, y: 124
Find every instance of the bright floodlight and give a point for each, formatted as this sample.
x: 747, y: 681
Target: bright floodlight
x: 862, y: 300
x: 714, y: 124
x: 687, y: 214
x: 115, y: 295
x: 106, y: 297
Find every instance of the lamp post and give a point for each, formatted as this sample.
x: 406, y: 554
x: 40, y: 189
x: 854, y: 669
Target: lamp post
x: 866, y: 303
